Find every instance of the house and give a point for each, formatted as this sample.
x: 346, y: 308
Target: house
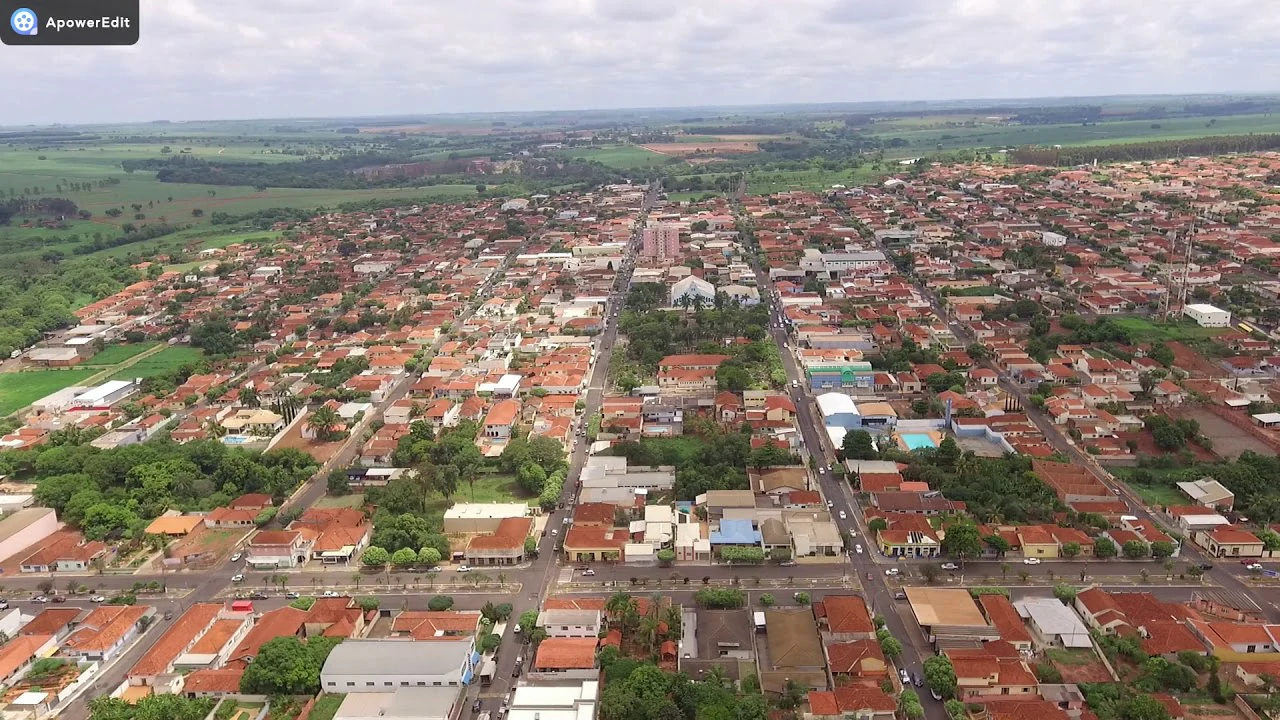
x: 253, y: 421
x: 1229, y: 541
x: 565, y: 658
x: 501, y: 419
x: 722, y: 638
x: 18, y: 655
x: 1007, y: 620
x: 280, y: 549
x: 106, y: 631
x: 26, y: 528
x: 228, y: 518
x: 1160, y: 625
x: 909, y: 536
x: 1053, y: 624
x: 504, y: 546
x: 778, y: 480
x: 851, y: 702
x: 590, y: 544
x: 66, y: 551
x: 1208, y: 492
x: 431, y: 624
x: 374, y: 666
x: 857, y: 662
x: 176, y: 525
x: 571, y: 623
x: 982, y: 672
x: 792, y: 650
x: 845, y: 617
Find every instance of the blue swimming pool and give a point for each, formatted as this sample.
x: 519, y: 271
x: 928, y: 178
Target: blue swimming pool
x: 918, y: 441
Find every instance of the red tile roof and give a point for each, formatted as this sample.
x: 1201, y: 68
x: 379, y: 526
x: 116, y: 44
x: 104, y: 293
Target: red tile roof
x: 566, y: 654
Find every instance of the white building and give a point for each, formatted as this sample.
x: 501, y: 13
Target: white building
x: 696, y: 289
x: 105, y: 395
x: 1207, y: 315
x: 367, y: 666
x: 1053, y: 239
x: 570, y: 623
x: 555, y: 702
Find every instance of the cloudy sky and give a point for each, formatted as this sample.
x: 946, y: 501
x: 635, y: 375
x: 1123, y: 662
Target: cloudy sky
x: 214, y: 59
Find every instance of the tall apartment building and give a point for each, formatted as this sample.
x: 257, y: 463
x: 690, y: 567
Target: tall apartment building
x: 661, y: 241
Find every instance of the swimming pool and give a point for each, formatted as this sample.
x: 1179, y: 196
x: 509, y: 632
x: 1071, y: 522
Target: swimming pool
x: 236, y: 440
x: 918, y: 441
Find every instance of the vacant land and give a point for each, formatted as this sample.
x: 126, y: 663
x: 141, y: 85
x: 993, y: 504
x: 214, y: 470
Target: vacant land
x: 1195, y: 364
x: 1228, y: 440
x: 1144, y: 330
x: 1077, y: 665
x: 710, y: 147
x: 351, y: 500
x: 619, y: 156
x: 116, y: 354
x: 165, y: 361
x: 764, y: 183
x: 327, y: 705
x: 1152, y: 495
x: 20, y: 389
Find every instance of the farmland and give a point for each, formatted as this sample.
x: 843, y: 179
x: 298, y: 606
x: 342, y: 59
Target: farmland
x: 20, y: 389
x: 167, y: 360
x: 623, y: 157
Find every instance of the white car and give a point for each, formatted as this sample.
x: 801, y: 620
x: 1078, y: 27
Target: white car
x: 236, y: 557
x: 830, y: 504
x: 902, y: 673
x: 950, y: 566
x: 554, y: 532
x: 564, y: 521
x: 1031, y: 561
x: 331, y: 593
x: 891, y: 572
x: 97, y: 599
x: 843, y: 516
x: 1253, y: 566
x: 853, y: 533
x: 237, y: 578
x: 588, y: 573
x: 463, y: 568
x: 858, y: 548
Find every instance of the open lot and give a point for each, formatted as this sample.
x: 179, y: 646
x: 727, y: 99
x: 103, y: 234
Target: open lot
x: 1228, y: 441
x: 1144, y: 330
x: 710, y: 147
x: 1196, y: 365
x: 1077, y: 665
x: 167, y: 360
x: 116, y: 354
x: 619, y: 156
x: 20, y: 389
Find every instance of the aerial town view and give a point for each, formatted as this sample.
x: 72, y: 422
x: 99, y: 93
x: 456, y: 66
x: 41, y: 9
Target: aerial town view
x: 704, y: 361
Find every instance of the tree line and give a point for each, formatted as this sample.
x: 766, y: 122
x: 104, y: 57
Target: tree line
x: 1156, y: 150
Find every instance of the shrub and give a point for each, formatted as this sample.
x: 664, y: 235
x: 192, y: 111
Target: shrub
x: 440, y: 603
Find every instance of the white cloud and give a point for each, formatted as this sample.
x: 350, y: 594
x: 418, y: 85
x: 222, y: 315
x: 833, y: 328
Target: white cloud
x: 199, y: 59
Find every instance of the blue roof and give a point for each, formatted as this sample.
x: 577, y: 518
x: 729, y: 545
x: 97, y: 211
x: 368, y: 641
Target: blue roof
x: 735, y: 532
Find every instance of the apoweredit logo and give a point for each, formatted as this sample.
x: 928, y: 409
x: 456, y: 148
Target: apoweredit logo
x: 24, y: 22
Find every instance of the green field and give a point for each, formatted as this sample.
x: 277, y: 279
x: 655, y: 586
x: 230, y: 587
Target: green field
x: 22, y: 169
x: 167, y: 360
x: 20, y: 389
x: 116, y: 354
x: 619, y: 156
x: 1144, y: 330
x: 926, y: 134
x: 692, y: 196
x: 767, y: 182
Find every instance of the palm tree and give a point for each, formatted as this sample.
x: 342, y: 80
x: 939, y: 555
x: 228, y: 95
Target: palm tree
x: 323, y: 420
x: 1004, y: 570
x: 649, y: 631
x: 502, y: 578
x: 617, y: 606
x: 249, y: 396
x: 671, y: 616
x: 356, y: 578
x: 715, y: 676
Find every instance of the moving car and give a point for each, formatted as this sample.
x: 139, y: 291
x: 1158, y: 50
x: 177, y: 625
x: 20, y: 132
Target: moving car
x: 236, y: 557
x: 1253, y: 566
x: 257, y: 596
x: 59, y: 598
x: 892, y: 572
x: 292, y: 595
x: 899, y: 596
x: 1031, y: 561
x: 237, y: 578
x: 331, y: 593
x: 788, y: 563
x: 830, y: 504
x: 858, y: 548
x: 463, y: 568
x: 588, y: 573
x: 950, y: 566
x: 475, y: 706
x: 935, y: 694
x: 843, y: 516
x: 40, y: 599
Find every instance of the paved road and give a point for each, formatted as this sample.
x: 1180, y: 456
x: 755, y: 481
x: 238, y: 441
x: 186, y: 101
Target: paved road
x: 879, y: 595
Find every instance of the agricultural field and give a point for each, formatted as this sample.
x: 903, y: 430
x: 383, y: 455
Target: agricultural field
x: 167, y: 360
x: 710, y: 147
x: 928, y: 133
x: 20, y: 389
x: 766, y: 182
x: 619, y: 156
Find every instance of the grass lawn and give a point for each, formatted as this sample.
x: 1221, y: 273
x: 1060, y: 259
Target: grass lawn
x: 326, y: 707
x: 1144, y: 330
x: 116, y: 354
x: 352, y: 500
x: 489, y: 488
x: 767, y: 182
x: 20, y: 389
x: 984, y: 291
x: 1063, y: 656
x: 169, y: 359
x: 1155, y: 495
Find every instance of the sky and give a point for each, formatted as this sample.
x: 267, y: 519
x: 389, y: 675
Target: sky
x: 228, y: 59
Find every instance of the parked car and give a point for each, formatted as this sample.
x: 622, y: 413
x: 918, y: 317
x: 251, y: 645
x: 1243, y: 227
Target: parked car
x: 917, y: 681
x: 237, y: 578
x: 950, y: 566
x: 257, y: 596
x: 475, y: 706
x: 168, y: 616
x: 935, y: 694
x: 4, y: 604
x: 236, y: 557
x: 463, y: 568
x: 906, y: 679
x: 1031, y: 561
x: 588, y: 573
x: 891, y: 571
x: 830, y: 504
x: 899, y: 596
x: 98, y: 599
x: 292, y: 595
x: 515, y: 673
x: 1206, y: 566
x: 40, y: 599
x: 787, y: 563
x: 63, y: 598
x: 1253, y: 566
x: 330, y: 593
